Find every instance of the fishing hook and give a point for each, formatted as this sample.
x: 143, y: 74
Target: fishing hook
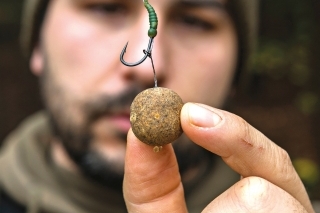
x: 146, y: 52
x: 153, y: 20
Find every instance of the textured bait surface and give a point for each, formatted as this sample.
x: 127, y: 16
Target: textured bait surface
x: 155, y: 116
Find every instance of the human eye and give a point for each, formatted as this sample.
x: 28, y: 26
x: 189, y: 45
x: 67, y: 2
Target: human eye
x: 195, y: 22
x: 107, y: 8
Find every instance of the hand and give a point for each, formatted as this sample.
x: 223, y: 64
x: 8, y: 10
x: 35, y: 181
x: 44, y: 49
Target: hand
x: 269, y: 182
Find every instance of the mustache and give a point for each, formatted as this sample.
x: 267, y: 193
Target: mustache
x: 107, y: 104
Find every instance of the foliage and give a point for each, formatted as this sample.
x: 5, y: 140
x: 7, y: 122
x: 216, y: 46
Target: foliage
x: 286, y: 38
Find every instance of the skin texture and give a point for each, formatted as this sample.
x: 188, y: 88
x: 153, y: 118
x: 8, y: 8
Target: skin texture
x: 269, y: 184
x: 88, y: 92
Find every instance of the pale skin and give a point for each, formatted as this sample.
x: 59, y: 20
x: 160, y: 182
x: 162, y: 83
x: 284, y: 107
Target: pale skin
x: 83, y: 43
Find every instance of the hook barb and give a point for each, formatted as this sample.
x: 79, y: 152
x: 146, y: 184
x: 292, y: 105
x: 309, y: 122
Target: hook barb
x: 146, y: 52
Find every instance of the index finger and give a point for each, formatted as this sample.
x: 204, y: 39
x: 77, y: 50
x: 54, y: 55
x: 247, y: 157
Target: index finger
x: 242, y: 147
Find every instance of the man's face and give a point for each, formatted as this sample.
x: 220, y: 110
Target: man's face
x: 88, y: 90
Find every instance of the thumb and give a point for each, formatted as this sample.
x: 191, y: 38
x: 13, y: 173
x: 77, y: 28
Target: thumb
x: 152, y: 181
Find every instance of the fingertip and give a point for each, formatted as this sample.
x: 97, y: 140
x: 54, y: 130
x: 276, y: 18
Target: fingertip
x: 184, y: 116
x: 135, y: 148
x: 203, y: 124
x: 130, y: 135
x: 139, y: 153
x: 149, y: 176
x: 201, y: 116
x: 134, y: 143
x: 131, y: 138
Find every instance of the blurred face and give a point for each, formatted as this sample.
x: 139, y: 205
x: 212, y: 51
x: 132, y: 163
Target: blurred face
x: 88, y: 91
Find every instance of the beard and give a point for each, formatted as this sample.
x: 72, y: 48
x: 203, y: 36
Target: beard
x: 78, y: 138
x: 72, y: 118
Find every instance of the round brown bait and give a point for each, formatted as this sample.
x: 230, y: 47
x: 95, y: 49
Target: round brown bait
x: 155, y: 116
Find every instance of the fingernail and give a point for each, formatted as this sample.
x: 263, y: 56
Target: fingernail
x: 202, y: 117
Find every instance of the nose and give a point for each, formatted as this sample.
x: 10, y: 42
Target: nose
x: 139, y: 40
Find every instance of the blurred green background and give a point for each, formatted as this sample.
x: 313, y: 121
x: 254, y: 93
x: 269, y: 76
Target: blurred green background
x: 281, y: 97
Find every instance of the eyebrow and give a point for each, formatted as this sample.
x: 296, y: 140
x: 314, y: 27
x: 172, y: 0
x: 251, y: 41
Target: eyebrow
x: 203, y: 3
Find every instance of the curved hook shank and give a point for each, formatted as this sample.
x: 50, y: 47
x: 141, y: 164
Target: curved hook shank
x: 131, y: 64
x: 146, y: 52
